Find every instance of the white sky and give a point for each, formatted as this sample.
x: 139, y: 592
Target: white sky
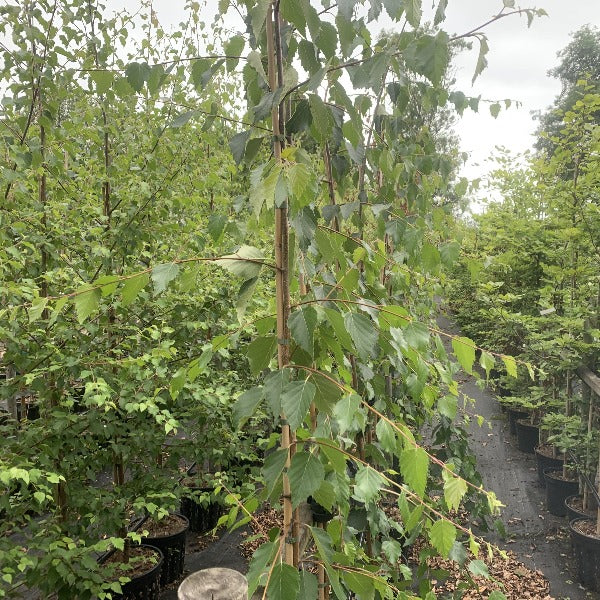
x: 519, y: 59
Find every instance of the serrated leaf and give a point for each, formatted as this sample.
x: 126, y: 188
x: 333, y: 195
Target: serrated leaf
x: 309, y: 586
x: 413, y: 11
x: 245, y: 406
x: 103, y: 80
x: 479, y: 568
x: 245, y: 262
x: 262, y: 557
x: 137, y: 74
x: 182, y: 119
x: 386, y: 435
x: 255, y: 61
x: 295, y: 401
x: 322, y: 119
x: 162, y: 275
x: 368, y: 484
x: 325, y: 495
x: 233, y: 48
x: 487, y: 362
x: 442, y: 536
x: 454, y: 490
x: 464, y: 350
x: 511, y: 365
x: 363, y: 334
x: 495, y: 109
x: 346, y: 411
x: 306, y: 474
x: 481, y: 59
x: 260, y: 352
x: 86, y: 302
x: 132, y: 287
x: 414, y: 465
x: 237, y: 145
x: 302, y: 324
x: 273, y: 467
x: 37, y: 308
x: 334, y: 454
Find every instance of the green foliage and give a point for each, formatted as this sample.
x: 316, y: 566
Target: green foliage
x: 141, y: 299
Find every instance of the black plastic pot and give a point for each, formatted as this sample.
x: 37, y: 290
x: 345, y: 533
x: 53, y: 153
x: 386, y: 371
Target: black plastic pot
x: 587, y: 556
x: 557, y: 490
x: 528, y: 436
x: 173, y: 548
x: 546, y: 462
x: 141, y: 587
x: 576, y: 513
x: 203, y: 515
x: 320, y: 513
x: 513, y: 416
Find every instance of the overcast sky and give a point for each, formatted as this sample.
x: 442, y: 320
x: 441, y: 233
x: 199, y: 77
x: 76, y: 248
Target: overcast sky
x: 519, y: 59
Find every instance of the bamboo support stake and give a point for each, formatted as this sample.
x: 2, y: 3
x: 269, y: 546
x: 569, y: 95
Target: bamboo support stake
x: 282, y: 290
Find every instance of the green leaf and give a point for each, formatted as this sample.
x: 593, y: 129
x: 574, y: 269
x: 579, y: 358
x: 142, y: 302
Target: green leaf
x: 322, y: 119
x: 325, y: 495
x: 464, y: 350
x: 454, y: 490
x: 37, y: 308
x: 295, y: 401
x: 325, y: 552
x: 430, y: 257
x: 346, y: 412
x: 309, y: 586
x: 301, y: 119
x: 258, y: 16
x: 413, y: 11
x: 302, y: 324
x: 306, y: 474
x: 414, y: 464
x: 363, y: 334
x: 262, y: 557
x: 291, y: 10
x: 132, y: 287
x: 386, y: 435
x: 244, y: 295
x: 86, y: 302
x: 368, y: 484
x: 442, y: 536
x: 496, y: 595
x: 245, y: 406
x: 392, y: 550
x: 274, y: 385
x: 511, y: 365
x: 284, y: 583
x: 335, y: 455
x: 495, y: 109
x: 137, y: 74
x: 479, y: 568
x: 260, y: 352
x: 327, y: 39
x: 237, y: 145
x: 255, y: 61
x: 362, y: 585
x: 448, y: 405
x: 273, y: 467
x: 234, y: 47
x: 440, y: 13
x: 103, y: 80
x: 182, y: 119
x: 162, y: 275
x: 487, y: 362
x: 246, y: 262
x: 327, y: 392
x: 481, y: 59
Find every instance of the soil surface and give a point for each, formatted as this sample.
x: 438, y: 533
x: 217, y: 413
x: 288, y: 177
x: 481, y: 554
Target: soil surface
x: 142, y: 560
x: 170, y: 525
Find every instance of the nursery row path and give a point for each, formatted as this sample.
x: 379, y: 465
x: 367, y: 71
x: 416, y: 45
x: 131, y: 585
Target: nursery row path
x: 538, y: 539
